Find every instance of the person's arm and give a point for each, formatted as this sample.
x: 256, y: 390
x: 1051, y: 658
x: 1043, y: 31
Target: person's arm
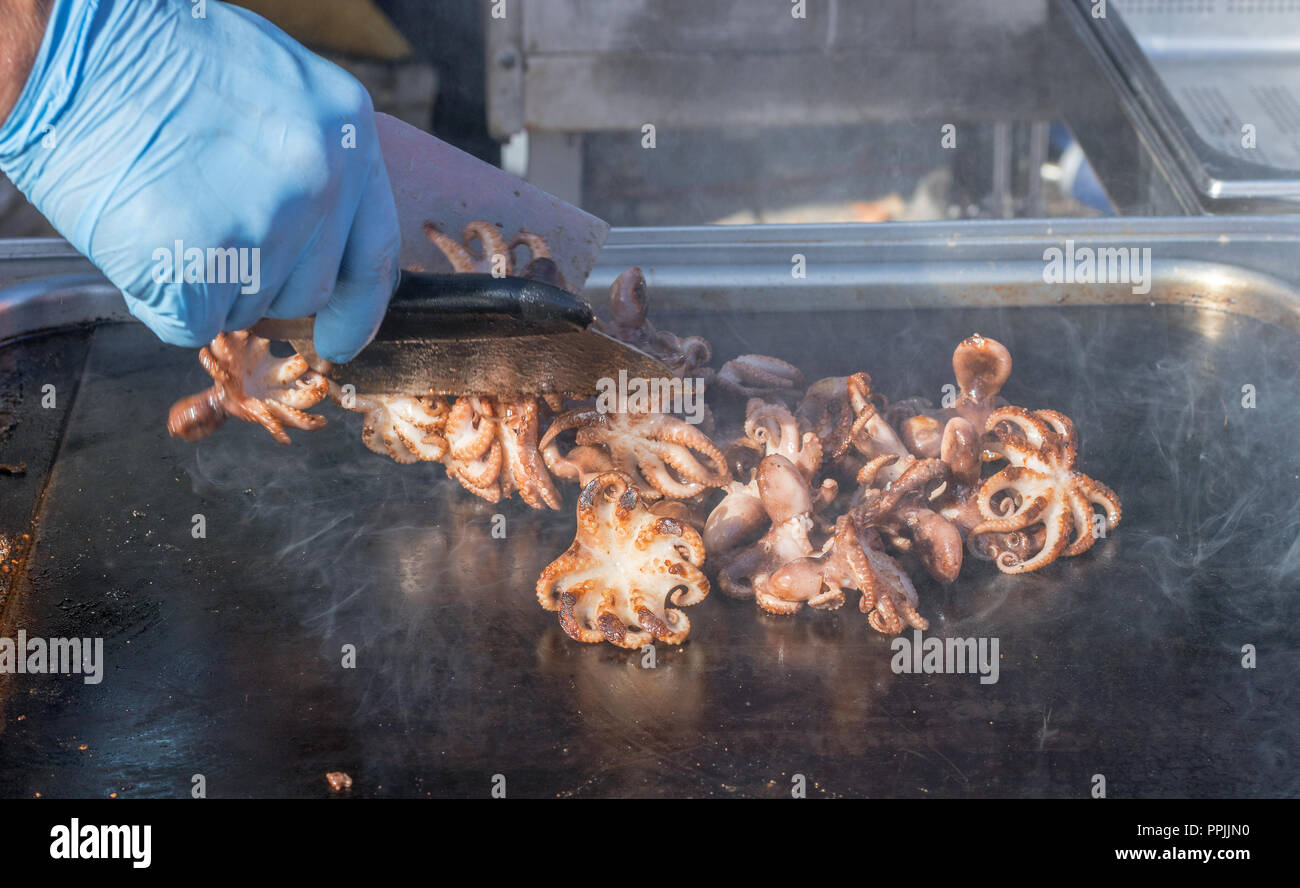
x: 20, y: 40
x: 213, y: 168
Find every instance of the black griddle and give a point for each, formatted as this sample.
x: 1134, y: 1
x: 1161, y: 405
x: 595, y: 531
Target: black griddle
x: 224, y: 653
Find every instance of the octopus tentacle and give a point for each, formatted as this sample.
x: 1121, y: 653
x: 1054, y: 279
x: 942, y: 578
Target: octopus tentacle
x: 867, y: 474
x: 774, y: 429
x: 461, y: 260
x: 896, y: 588
x: 537, y: 247
x: 1080, y: 521
x: 1057, y: 523
x: 571, y: 561
x: 493, y: 449
x: 468, y: 435
x: 654, y: 468
x: 685, y: 463
x: 884, y: 618
x: 494, y: 245
x: 734, y: 577
x: 774, y: 604
x: 674, y: 458
x: 479, y: 472
x: 518, y: 435
x: 259, y: 412
x: 405, y: 428
x: 577, y: 418
x: 580, y: 464
x: 684, y: 356
x: 1099, y: 494
x: 1061, y: 425
x: 850, y: 544
x: 870, y: 434
x: 674, y: 431
x: 1037, y: 432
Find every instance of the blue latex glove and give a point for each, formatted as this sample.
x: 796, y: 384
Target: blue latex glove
x: 142, y: 125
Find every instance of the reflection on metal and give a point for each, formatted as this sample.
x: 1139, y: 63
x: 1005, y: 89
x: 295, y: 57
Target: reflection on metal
x: 1204, y: 72
x: 1158, y: 96
x: 1122, y: 143
x: 59, y: 301
x: 1224, y: 263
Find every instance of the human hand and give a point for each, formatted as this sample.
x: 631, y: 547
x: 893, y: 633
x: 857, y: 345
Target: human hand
x: 145, y: 133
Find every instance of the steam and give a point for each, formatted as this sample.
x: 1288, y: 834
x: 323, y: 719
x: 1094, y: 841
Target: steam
x: 1138, y: 639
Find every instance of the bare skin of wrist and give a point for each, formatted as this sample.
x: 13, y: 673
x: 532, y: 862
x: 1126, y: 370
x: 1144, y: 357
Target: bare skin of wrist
x: 20, y: 41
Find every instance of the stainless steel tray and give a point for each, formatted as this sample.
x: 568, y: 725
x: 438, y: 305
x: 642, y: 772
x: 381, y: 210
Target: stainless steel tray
x: 223, y: 653
x: 1241, y: 264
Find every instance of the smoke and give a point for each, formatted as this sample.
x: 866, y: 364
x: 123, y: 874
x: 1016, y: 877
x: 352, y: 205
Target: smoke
x: 369, y: 553
x: 1134, y: 645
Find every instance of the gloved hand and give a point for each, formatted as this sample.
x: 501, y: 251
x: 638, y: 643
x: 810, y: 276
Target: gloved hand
x: 145, y: 133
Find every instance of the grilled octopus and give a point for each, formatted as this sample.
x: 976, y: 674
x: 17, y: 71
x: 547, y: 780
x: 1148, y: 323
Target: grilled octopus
x: 839, y: 494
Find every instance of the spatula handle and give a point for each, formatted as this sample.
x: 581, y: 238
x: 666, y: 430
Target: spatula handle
x: 425, y: 303
x: 449, y: 305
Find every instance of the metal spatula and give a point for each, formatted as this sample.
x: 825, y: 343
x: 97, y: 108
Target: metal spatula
x: 475, y: 334
x: 436, y: 182
x: 461, y: 334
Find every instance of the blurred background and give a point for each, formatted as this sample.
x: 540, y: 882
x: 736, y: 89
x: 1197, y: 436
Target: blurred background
x: 758, y: 116
x: 663, y: 112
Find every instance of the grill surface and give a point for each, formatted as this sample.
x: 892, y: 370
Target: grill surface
x: 223, y: 654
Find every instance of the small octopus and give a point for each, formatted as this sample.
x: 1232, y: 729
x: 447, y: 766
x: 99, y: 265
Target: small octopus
x: 774, y: 429
x: 624, y: 568
x: 788, y: 505
x: 663, y: 455
x: 685, y: 356
x: 853, y: 427
x: 981, y: 366
x: 785, y: 570
x: 493, y: 450
x: 251, y: 384
x: 770, y: 429
x: 825, y: 409
x: 1040, y: 487
x: 906, y: 513
x: 407, y: 428
x: 854, y: 558
x: 759, y: 376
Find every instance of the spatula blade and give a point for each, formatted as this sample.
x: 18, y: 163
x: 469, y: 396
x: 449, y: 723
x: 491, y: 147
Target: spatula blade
x: 570, y: 363
x: 435, y: 182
